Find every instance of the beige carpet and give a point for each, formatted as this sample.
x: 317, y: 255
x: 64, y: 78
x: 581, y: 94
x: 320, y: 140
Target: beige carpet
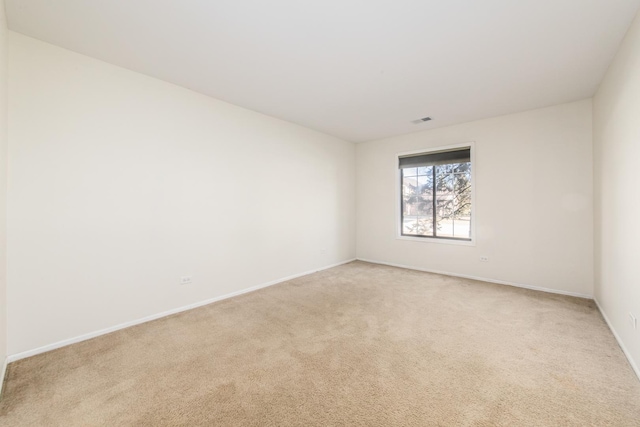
x: 357, y: 345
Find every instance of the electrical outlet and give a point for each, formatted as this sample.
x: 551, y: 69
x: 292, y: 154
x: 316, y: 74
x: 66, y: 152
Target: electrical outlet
x: 186, y: 280
x: 633, y: 321
x: 484, y: 259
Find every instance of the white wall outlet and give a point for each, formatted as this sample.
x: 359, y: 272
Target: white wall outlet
x: 484, y: 259
x: 633, y: 321
x: 186, y: 280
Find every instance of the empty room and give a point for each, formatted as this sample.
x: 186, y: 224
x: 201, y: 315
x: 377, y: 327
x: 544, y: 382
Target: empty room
x: 336, y: 213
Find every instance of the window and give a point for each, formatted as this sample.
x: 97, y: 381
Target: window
x: 436, y: 196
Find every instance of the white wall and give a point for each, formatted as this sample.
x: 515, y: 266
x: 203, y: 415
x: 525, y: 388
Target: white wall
x: 119, y: 184
x: 616, y: 112
x: 533, y: 212
x: 3, y: 189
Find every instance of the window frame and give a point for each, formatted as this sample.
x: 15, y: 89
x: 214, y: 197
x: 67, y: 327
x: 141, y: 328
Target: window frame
x: 398, y: 197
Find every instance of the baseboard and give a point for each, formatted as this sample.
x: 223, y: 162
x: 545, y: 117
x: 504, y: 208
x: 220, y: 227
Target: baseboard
x: 620, y: 343
x: 483, y: 279
x: 84, y: 337
x: 3, y: 373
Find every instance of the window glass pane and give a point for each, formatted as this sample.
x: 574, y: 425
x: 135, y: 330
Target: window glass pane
x: 409, y: 171
x: 453, y: 213
x: 425, y: 185
x: 417, y: 201
x: 462, y: 188
x: 444, y: 219
x: 408, y: 209
x: 424, y: 206
x: 417, y: 225
x: 409, y: 224
x: 424, y: 170
x: 425, y: 226
x: 462, y: 227
x: 409, y: 196
x: 409, y: 185
x: 444, y: 179
x: 463, y: 204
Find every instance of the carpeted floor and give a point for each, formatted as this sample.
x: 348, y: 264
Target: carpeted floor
x: 357, y: 345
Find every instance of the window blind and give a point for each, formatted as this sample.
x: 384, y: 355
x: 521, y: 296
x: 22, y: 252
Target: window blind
x: 438, y: 158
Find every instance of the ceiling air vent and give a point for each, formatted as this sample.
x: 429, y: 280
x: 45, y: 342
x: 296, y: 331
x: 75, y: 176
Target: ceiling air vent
x: 422, y: 120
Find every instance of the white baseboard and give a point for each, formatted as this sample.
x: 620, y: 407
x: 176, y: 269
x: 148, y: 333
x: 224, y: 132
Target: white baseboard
x: 3, y: 373
x: 620, y: 343
x: 483, y: 279
x: 84, y: 337
x: 633, y: 364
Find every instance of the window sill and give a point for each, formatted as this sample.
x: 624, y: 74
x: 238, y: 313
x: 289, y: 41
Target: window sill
x: 440, y: 241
